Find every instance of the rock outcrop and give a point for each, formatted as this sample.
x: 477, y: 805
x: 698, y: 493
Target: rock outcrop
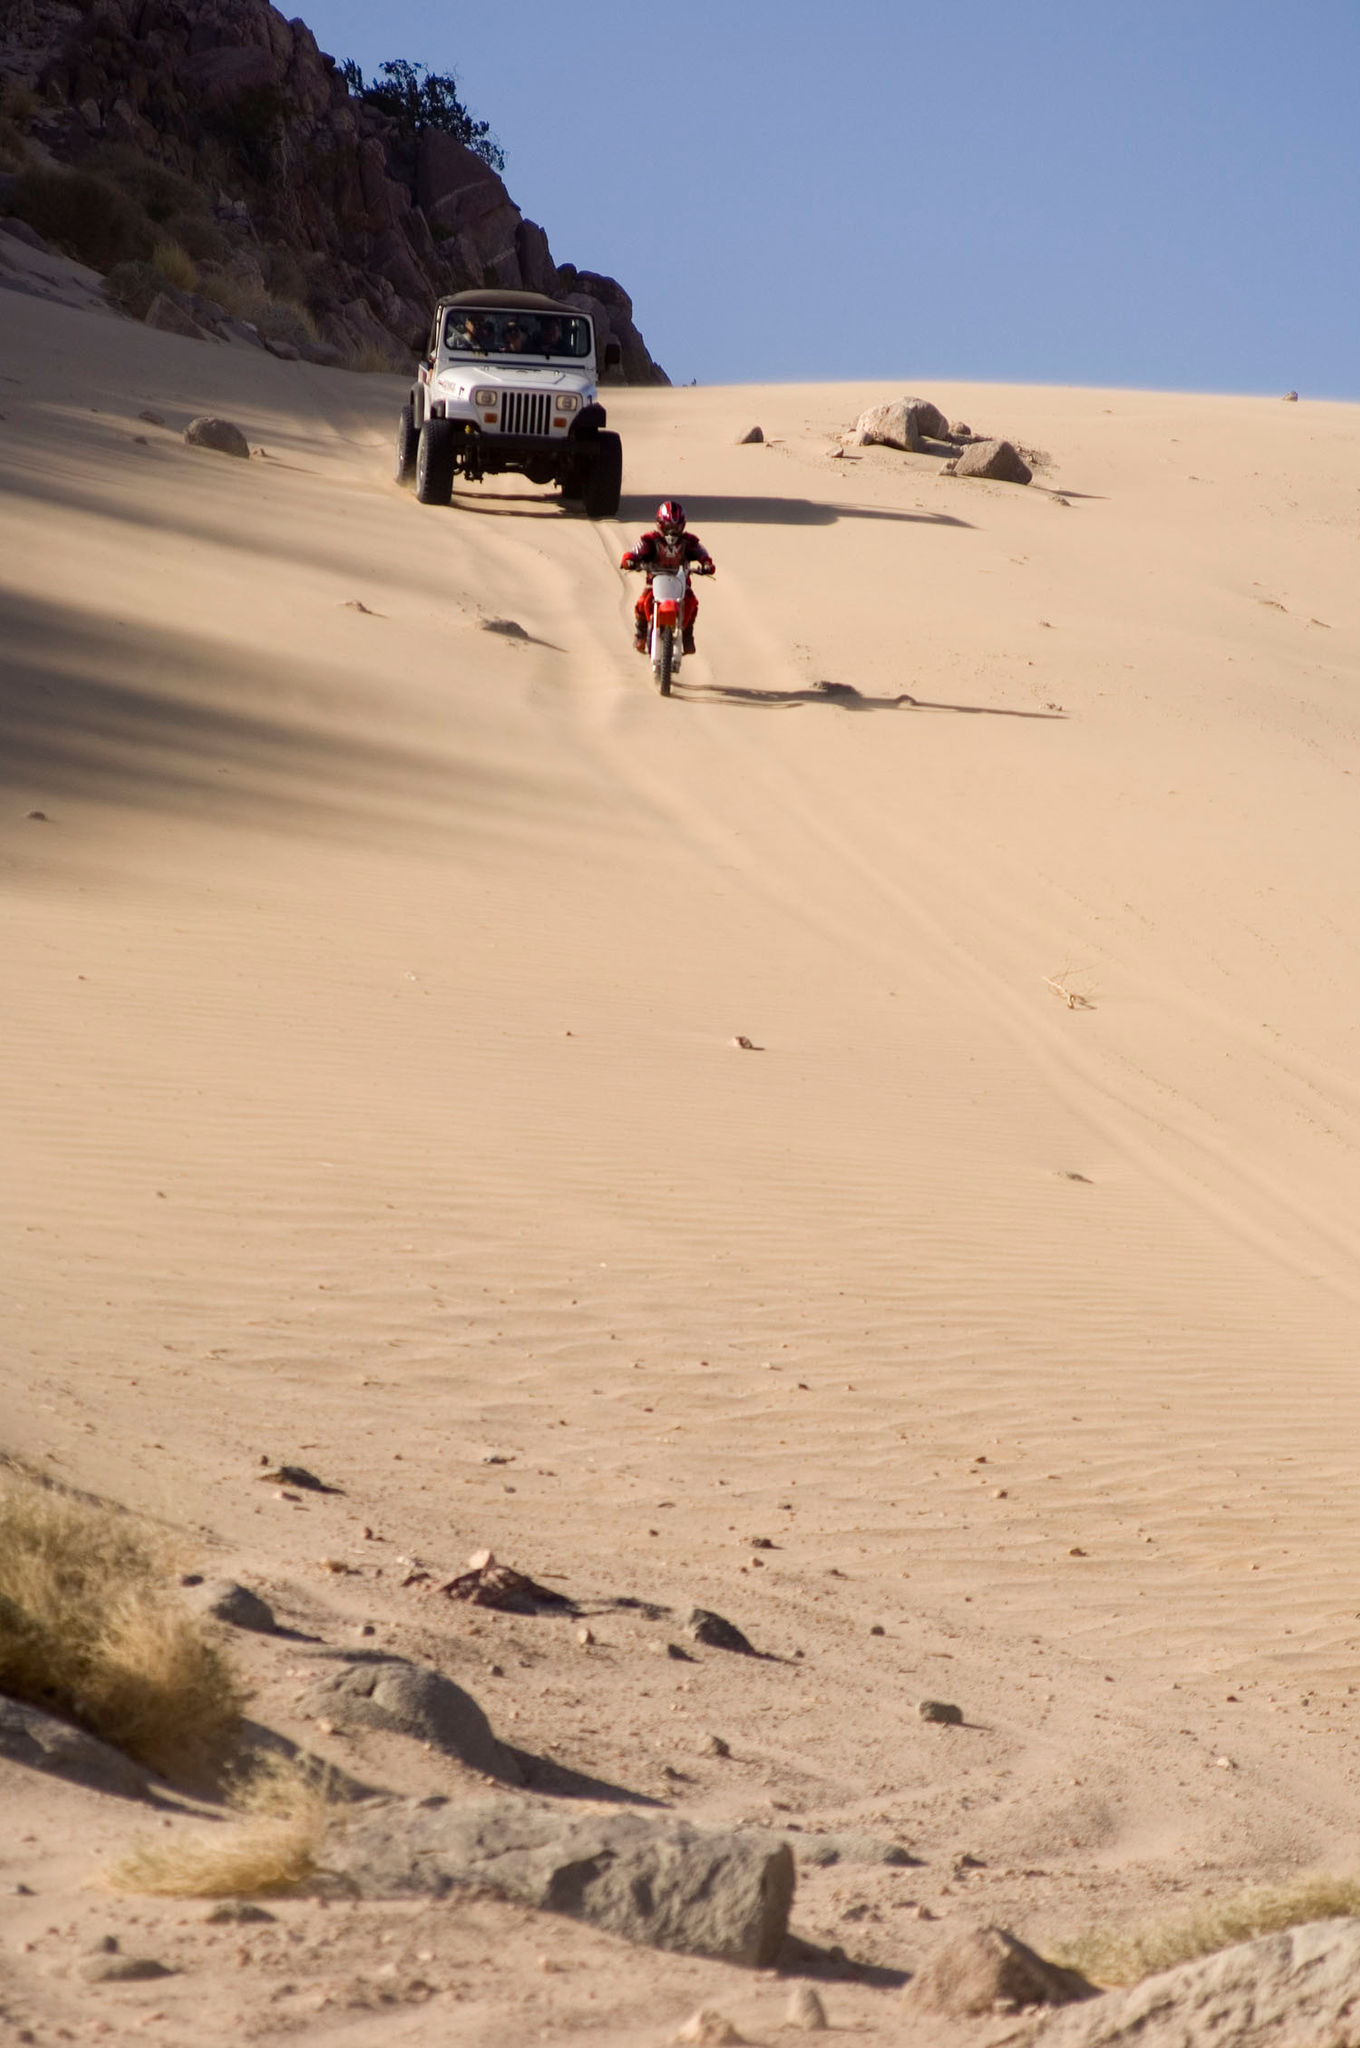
x: 1297, y: 1987
x: 299, y: 176
x: 649, y: 1878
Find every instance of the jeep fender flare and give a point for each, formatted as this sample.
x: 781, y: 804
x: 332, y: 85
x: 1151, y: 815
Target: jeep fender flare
x: 588, y: 422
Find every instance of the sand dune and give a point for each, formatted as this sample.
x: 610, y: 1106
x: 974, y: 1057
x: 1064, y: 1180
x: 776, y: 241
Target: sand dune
x: 371, y: 1097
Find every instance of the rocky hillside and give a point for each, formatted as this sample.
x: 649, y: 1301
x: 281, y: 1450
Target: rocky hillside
x: 240, y: 163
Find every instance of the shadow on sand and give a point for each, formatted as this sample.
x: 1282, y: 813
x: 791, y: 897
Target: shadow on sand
x: 847, y: 697
x: 706, y: 511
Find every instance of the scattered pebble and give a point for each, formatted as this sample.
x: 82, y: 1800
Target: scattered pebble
x: 38, y: 817
x: 356, y: 604
x: 297, y: 1475
x: 153, y: 419
x: 878, y: 1629
x: 943, y: 1711
x: 511, y: 628
x: 805, y: 2010
x: 237, y: 1913
x: 751, y: 435
x: 744, y: 1044
x: 709, y: 2029
x: 1077, y: 1551
x: 585, y: 1636
x: 718, y: 1633
x: 714, y: 1745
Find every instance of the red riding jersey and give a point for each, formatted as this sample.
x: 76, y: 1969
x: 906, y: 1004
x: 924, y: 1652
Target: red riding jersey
x: 661, y: 554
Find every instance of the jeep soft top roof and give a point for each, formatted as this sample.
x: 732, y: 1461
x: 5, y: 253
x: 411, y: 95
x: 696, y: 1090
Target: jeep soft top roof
x: 499, y: 301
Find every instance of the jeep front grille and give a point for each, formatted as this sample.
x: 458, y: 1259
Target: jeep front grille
x: 525, y: 412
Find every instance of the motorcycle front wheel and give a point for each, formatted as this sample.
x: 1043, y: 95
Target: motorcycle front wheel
x: 665, y: 658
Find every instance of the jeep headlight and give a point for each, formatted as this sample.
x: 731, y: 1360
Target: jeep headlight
x: 568, y: 401
x: 484, y: 395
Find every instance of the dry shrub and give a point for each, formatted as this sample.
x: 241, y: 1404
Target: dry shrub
x: 1110, y: 1955
x: 91, y: 1627
x: 13, y: 148
x: 89, y: 218
x: 203, y: 239
x: 18, y: 103
x: 374, y: 361
x: 274, y: 1847
x: 176, y: 266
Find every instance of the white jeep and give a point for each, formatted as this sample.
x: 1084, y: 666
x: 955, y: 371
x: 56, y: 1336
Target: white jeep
x: 509, y: 383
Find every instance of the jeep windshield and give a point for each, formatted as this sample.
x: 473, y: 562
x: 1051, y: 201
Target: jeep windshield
x: 495, y: 332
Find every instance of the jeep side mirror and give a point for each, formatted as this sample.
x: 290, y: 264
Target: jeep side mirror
x: 613, y: 356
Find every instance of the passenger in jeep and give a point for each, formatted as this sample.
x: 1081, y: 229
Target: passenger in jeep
x: 661, y: 552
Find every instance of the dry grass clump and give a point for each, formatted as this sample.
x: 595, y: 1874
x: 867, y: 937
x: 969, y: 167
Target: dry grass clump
x: 1110, y: 1955
x: 85, y: 215
x: 91, y: 1627
x: 274, y: 1847
x: 376, y: 362
x: 176, y: 266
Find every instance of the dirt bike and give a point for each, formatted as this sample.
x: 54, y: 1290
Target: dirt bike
x: 668, y: 613
x: 666, y: 642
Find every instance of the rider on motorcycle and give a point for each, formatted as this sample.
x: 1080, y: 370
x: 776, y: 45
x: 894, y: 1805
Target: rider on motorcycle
x: 661, y: 552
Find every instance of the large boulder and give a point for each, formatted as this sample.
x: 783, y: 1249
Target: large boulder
x: 1299, y: 1987
x: 1001, y: 461
x: 901, y: 423
x: 988, y: 1970
x: 414, y: 1700
x: 650, y: 1878
x: 30, y: 1736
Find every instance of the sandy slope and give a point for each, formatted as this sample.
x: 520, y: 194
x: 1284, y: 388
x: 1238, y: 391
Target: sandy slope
x: 371, y: 1099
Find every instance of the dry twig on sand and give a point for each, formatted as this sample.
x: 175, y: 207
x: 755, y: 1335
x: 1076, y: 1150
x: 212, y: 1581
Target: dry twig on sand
x: 1073, y: 999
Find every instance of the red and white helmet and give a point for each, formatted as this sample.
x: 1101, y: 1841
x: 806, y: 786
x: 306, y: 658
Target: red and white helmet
x: 670, y: 516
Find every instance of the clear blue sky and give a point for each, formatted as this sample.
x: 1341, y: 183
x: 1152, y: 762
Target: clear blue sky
x: 1135, y: 192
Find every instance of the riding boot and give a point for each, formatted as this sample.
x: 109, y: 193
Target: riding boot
x: 687, y: 640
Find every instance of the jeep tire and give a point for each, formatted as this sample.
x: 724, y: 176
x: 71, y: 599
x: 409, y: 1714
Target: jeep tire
x: 434, y: 463
x: 407, y: 437
x: 604, y: 480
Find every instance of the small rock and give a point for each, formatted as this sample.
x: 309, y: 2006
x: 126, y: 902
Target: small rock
x: 1291, y: 397
x: 988, y: 1970
x: 960, y: 431
x: 678, y: 1653
x: 416, y: 1701
x: 744, y: 1044
x: 510, y: 628
x: 878, y: 1629
x: 297, y: 1475
x: 37, y: 817
x: 116, y: 1969
x: 709, y: 2029
x: 153, y: 419
x: 227, y: 1601
x: 284, y: 350
x: 1077, y: 1551
x: 356, y: 604
x: 805, y: 2010
x: 714, y: 1745
x: 224, y: 437
x: 941, y: 1710
x: 585, y: 1636
x: 999, y: 461
x: 718, y: 1633
x: 236, y: 1913
x: 164, y: 314
x: 751, y: 435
